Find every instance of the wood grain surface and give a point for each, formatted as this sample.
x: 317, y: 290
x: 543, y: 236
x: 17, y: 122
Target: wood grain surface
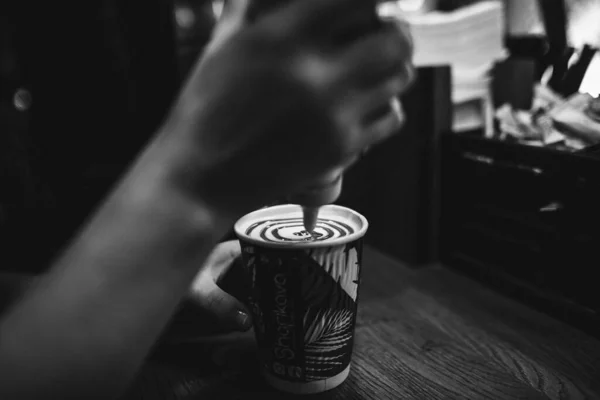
x: 421, y: 334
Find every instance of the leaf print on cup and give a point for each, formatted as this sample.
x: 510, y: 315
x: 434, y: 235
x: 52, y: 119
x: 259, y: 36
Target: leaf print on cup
x: 319, y: 289
x: 325, y: 324
x: 343, y: 266
x: 328, y: 341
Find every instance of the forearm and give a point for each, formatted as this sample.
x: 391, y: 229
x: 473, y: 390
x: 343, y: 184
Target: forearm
x: 84, y: 329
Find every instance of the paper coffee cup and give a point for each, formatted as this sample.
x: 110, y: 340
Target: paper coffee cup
x: 304, y: 293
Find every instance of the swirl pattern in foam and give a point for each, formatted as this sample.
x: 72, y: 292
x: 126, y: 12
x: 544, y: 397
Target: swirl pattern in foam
x: 283, y: 226
x: 292, y: 230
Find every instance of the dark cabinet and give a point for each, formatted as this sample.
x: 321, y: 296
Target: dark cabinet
x: 526, y: 220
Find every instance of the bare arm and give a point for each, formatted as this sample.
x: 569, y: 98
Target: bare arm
x: 233, y: 143
x: 86, y: 326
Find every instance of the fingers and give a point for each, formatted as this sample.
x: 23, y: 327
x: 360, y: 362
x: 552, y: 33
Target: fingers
x: 404, y: 29
x: 352, y: 62
x: 230, y: 312
x: 220, y: 260
x: 377, y: 99
x: 323, y: 191
x: 260, y: 8
x: 389, y: 123
x: 379, y: 57
x: 222, y: 257
x: 209, y: 296
x: 316, y: 18
x: 342, y: 23
x: 379, y: 68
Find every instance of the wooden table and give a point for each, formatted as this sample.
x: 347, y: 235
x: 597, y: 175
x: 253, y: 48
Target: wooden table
x: 421, y: 334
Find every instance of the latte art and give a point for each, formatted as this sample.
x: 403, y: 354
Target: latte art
x: 290, y: 230
x: 283, y: 227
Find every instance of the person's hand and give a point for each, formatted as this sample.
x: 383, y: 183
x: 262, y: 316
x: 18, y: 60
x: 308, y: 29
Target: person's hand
x: 205, y: 293
x: 209, y: 309
x: 279, y: 102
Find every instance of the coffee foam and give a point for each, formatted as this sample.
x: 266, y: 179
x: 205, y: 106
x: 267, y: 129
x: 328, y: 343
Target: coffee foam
x: 283, y: 226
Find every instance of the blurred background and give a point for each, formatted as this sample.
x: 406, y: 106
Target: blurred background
x: 473, y: 36
x: 494, y: 174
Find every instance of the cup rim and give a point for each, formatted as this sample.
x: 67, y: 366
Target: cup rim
x: 364, y: 225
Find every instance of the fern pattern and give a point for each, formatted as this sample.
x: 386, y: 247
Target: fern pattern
x: 329, y: 324
x: 327, y: 337
x: 322, y: 289
x: 341, y: 265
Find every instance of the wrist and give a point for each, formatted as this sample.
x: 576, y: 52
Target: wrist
x: 206, y: 177
x: 156, y: 220
x: 173, y: 208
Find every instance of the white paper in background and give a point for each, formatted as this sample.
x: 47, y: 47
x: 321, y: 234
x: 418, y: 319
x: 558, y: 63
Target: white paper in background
x: 583, y: 23
x: 584, y: 28
x: 591, y: 81
x: 470, y: 36
x: 470, y: 40
x: 523, y: 18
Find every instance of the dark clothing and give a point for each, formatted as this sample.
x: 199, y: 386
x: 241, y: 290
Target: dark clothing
x: 83, y: 86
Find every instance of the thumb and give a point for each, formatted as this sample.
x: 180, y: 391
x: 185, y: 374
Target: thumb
x: 226, y: 308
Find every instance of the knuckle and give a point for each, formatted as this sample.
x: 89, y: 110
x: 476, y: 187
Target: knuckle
x: 411, y: 75
x: 339, y: 153
x: 398, y: 110
x: 390, y: 125
x: 310, y: 69
x: 406, y: 33
x: 401, y: 81
x: 340, y: 147
x: 399, y: 40
x: 391, y: 59
x: 397, y: 85
x: 346, y: 123
x: 214, y: 300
